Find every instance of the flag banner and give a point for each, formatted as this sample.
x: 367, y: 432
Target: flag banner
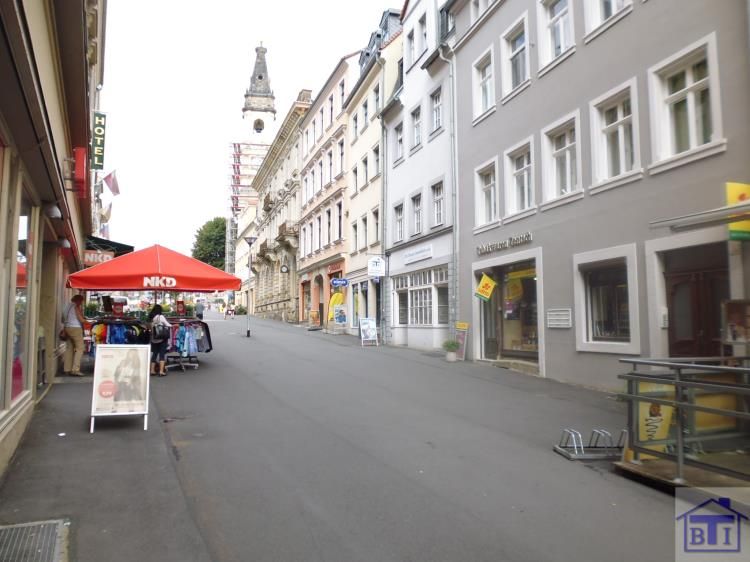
x: 106, y: 213
x: 485, y: 287
x: 738, y: 193
x: 111, y: 181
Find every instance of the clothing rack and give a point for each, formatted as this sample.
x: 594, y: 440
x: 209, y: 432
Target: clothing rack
x: 183, y: 358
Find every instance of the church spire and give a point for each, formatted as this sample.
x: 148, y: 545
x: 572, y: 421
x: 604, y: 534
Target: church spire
x: 259, y: 96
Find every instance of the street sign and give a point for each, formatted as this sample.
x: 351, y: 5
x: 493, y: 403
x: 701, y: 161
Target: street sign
x: 339, y: 282
x: 376, y: 267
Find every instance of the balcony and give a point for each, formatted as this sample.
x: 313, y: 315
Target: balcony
x: 263, y: 248
x: 288, y: 235
x: 267, y: 203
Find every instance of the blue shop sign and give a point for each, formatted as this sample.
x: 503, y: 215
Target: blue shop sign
x: 339, y: 282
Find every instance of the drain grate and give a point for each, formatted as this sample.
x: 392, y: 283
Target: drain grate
x: 41, y: 541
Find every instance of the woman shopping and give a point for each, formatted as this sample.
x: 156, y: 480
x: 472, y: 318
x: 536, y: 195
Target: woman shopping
x: 73, y: 320
x: 160, y: 333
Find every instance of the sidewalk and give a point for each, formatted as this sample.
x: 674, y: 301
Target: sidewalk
x: 116, y: 488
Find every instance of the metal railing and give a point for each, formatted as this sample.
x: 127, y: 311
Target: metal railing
x: 697, y: 390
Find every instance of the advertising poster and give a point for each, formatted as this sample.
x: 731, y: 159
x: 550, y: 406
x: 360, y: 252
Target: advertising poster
x: 738, y: 193
x: 180, y: 308
x: 339, y: 314
x: 314, y: 318
x: 121, y: 380
x: 368, y: 331
x: 485, y: 287
x: 462, y: 330
x: 736, y: 321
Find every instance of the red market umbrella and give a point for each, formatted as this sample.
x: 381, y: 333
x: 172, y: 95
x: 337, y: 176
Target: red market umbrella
x: 155, y: 268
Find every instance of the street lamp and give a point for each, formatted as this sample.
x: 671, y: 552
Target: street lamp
x: 250, y: 240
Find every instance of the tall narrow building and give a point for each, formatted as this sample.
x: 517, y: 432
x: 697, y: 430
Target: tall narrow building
x: 259, y: 112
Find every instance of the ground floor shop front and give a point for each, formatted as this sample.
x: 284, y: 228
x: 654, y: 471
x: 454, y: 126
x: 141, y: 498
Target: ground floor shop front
x: 321, y: 291
x: 572, y: 314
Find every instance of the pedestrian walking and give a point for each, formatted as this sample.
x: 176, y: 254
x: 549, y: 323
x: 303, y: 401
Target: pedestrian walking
x: 73, y: 320
x: 199, y: 310
x: 160, y: 333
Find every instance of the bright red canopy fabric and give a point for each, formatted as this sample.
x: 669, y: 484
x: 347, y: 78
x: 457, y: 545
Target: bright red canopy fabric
x: 155, y: 268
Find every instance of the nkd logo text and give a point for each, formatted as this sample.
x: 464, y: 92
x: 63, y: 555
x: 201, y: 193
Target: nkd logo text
x: 709, y: 526
x: 156, y: 281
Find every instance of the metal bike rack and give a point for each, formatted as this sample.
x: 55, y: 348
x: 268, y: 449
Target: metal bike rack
x: 601, y: 445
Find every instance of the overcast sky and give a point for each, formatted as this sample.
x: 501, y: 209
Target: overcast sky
x: 175, y: 76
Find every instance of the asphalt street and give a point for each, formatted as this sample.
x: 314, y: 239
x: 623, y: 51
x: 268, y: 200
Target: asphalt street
x: 300, y: 446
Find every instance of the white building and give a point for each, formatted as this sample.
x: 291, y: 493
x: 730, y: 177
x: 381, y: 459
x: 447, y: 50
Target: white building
x: 418, y: 217
x: 378, y: 73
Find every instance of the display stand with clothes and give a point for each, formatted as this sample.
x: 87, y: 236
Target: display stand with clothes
x: 113, y: 330
x: 189, y: 336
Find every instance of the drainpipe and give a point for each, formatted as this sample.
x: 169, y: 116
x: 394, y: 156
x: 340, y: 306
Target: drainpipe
x: 383, y: 201
x: 453, y: 271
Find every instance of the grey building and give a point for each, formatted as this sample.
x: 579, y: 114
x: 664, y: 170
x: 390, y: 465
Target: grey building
x: 582, y: 127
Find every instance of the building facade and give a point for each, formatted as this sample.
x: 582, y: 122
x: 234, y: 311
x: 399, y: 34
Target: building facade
x: 378, y: 64
x: 418, y: 227
x: 276, y: 228
x: 568, y: 161
x: 51, y: 69
x: 323, y: 252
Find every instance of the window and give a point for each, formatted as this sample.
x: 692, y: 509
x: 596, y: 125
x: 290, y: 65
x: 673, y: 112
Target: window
x: 312, y: 183
x: 398, y: 223
x: 484, y: 93
x: 403, y: 307
x: 376, y: 160
x: 518, y: 179
x: 320, y: 174
x: 606, y: 298
x: 420, y: 311
x: 330, y: 166
x: 307, y: 140
x: 355, y: 126
x: 312, y: 236
x: 514, y: 53
x: 303, y: 247
x: 330, y: 110
x: 614, y: 141
x: 561, y: 158
x: 376, y: 224
x: 423, y: 33
x: 416, y: 207
x: 355, y: 183
x: 365, y: 173
x: 376, y: 97
x: 685, y: 106
x: 442, y: 302
x: 341, y: 156
x: 438, y: 203
x: 478, y: 7
x: 306, y: 189
x: 365, y: 115
x: 555, y: 29
x: 339, y: 217
x: 321, y: 122
x: 437, y: 109
x: 416, y: 127
x: 342, y: 94
x: 355, y: 242
x: 319, y: 241
x: 599, y: 12
x: 328, y: 226
x: 314, y: 131
x: 399, y: 144
x: 410, y: 48
x: 364, y: 232
x: 485, y: 195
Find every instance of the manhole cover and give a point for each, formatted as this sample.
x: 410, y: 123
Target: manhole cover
x: 41, y: 541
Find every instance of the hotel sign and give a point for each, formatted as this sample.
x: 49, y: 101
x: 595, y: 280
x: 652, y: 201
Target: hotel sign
x: 97, y: 141
x: 510, y: 242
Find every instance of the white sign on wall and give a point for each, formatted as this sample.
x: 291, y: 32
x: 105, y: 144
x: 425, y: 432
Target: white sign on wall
x: 418, y: 254
x: 376, y: 267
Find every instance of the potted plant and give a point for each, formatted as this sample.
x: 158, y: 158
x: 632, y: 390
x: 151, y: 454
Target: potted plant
x: 450, y: 347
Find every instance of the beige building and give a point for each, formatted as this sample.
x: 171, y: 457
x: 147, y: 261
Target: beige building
x: 276, y: 229
x: 378, y: 73
x: 323, y: 250
x: 51, y: 68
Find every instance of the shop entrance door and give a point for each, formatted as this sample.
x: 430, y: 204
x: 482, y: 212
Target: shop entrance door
x: 694, y: 303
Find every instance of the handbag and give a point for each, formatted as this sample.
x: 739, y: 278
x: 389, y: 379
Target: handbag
x: 63, y: 335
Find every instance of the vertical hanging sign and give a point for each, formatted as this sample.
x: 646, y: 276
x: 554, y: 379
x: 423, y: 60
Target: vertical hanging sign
x: 97, y: 141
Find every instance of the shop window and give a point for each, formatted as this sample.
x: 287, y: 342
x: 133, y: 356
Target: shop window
x: 606, y: 297
x: 442, y: 302
x: 607, y: 303
x: 420, y: 310
x: 21, y: 344
x: 403, y: 307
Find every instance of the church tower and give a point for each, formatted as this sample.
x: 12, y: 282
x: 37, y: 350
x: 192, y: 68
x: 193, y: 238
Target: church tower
x: 259, y: 110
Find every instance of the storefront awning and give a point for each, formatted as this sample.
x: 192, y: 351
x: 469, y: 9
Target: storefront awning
x: 95, y: 243
x: 704, y: 219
